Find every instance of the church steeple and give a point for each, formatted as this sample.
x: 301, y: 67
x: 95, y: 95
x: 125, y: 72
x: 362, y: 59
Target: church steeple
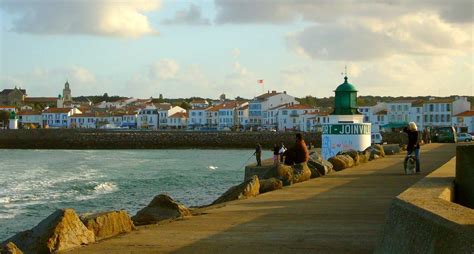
x: 67, y: 97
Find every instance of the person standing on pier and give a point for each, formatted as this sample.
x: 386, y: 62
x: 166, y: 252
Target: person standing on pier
x: 282, y: 151
x: 300, y: 149
x: 276, y: 152
x: 258, y: 154
x: 413, y: 144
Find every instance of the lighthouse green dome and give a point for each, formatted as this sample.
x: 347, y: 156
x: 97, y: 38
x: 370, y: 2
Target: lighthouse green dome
x: 346, y: 87
x: 345, y: 102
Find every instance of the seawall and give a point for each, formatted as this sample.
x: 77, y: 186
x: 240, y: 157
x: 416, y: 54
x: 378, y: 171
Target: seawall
x: 108, y: 139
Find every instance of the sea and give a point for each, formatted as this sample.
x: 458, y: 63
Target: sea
x: 34, y: 183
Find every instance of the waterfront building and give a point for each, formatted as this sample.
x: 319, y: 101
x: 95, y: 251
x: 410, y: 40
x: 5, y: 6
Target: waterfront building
x: 58, y: 117
x: 464, y: 122
x: 212, y: 117
x: 30, y: 119
x: 290, y: 116
x: 119, y: 104
x: 401, y: 112
x: 438, y: 112
x: 270, y: 117
x: 263, y: 102
x: 85, y: 120
x: 199, y: 103
x: 197, y: 118
x: 178, y: 120
x: 243, y: 115
x: 313, y: 121
x: 148, y: 118
x: 9, y: 109
x: 14, y: 96
x: 227, y: 114
x: 129, y: 119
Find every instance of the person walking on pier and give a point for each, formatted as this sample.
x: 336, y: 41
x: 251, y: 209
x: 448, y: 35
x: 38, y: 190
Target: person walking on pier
x: 300, y: 149
x: 413, y: 145
x: 258, y: 154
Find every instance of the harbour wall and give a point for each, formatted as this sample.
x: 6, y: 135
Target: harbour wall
x: 108, y: 139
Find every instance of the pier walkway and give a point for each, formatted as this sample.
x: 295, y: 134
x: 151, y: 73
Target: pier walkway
x: 338, y: 213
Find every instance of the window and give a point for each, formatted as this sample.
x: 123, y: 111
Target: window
x: 437, y: 118
x: 431, y: 107
x: 392, y: 107
x: 399, y: 107
x: 431, y: 118
x: 406, y: 107
x: 284, y: 112
x: 448, y: 118
x: 448, y: 107
x: 442, y: 118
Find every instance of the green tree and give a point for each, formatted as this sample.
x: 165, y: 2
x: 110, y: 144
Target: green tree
x: 185, y: 105
x: 4, y: 117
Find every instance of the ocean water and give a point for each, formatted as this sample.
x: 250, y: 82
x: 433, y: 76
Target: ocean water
x: 34, y: 183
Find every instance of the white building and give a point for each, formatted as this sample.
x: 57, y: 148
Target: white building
x: 243, y: 115
x: 212, y: 117
x: 164, y: 110
x: 290, y: 117
x: 148, y: 118
x: 464, y: 122
x: 197, y: 118
x: 8, y: 108
x: 439, y: 112
x: 178, y: 120
x: 86, y: 120
x: 58, y: 117
x: 227, y: 114
x: 199, y: 103
x: 122, y: 103
x: 129, y: 120
x: 312, y: 121
x: 270, y: 117
x: 265, y: 101
x: 30, y: 119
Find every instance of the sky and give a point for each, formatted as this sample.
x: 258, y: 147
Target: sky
x: 144, y: 48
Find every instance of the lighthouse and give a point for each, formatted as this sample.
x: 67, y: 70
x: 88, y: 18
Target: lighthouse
x: 346, y: 129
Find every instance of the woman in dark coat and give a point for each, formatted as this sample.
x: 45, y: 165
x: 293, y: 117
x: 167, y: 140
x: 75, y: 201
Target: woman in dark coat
x: 300, y: 149
x: 413, y: 145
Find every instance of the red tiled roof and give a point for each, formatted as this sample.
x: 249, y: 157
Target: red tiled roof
x: 440, y: 100
x: 7, y: 106
x: 57, y: 110
x: 267, y: 95
x: 299, y: 106
x: 179, y: 115
x: 466, y: 113
x: 199, y: 101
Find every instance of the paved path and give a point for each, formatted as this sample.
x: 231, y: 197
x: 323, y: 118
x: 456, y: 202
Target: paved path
x: 338, y: 213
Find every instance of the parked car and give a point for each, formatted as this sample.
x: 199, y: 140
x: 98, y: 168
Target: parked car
x: 464, y: 137
x: 443, y: 135
x: 376, y: 138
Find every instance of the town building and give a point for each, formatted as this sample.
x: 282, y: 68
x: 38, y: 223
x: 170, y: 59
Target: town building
x: 464, y: 122
x: 14, y: 96
x: 197, y: 118
x: 243, y: 116
x: 312, y: 121
x: 263, y: 102
x: 199, y: 103
x: 30, y: 119
x: 58, y: 117
x: 438, y: 112
x: 290, y: 117
x: 178, y: 120
x: 148, y: 118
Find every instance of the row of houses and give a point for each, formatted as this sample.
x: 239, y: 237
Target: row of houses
x: 434, y: 112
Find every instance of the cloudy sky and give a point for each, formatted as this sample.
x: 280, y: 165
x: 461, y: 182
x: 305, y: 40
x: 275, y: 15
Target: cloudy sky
x: 189, y: 48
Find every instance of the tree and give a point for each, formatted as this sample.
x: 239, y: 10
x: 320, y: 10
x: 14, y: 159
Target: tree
x: 185, y: 105
x: 4, y: 117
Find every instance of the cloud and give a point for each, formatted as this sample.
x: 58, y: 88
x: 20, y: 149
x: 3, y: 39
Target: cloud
x: 365, y: 39
x: 164, y: 69
x: 322, y: 11
x: 99, y: 17
x: 192, y: 16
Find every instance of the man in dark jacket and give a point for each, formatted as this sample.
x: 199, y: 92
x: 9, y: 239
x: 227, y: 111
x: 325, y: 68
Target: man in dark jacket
x: 258, y: 154
x: 413, y: 145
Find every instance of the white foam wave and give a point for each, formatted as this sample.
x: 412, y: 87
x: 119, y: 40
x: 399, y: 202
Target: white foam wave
x: 5, y: 200
x: 107, y: 187
x: 213, y: 167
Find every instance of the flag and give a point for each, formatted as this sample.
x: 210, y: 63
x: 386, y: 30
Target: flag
x: 260, y: 81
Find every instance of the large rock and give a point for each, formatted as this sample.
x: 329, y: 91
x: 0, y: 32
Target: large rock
x: 60, y: 231
x: 379, y: 149
x: 319, y: 168
x: 353, y: 154
x: 341, y: 162
x: 10, y: 248
x: 270, y: 184
x: 249, y: 188
x: 162, y: 207
x: 391, y: 149
x: 301, y: 172
x: 364, y: 156
x: 108, y: 224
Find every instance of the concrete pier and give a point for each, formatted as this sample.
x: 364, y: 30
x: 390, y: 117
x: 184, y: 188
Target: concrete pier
x: 339, y: 213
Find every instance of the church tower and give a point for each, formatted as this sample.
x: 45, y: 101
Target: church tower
x: 67, y: 98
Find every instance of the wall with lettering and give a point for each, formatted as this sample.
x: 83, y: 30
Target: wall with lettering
x: 343, y: 137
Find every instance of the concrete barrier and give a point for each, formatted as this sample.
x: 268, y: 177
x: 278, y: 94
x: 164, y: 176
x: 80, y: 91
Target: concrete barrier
x: 424, y: 218
x: 465, y: 175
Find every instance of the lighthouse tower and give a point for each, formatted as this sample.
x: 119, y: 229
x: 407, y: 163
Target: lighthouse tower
x: 346, y: 129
